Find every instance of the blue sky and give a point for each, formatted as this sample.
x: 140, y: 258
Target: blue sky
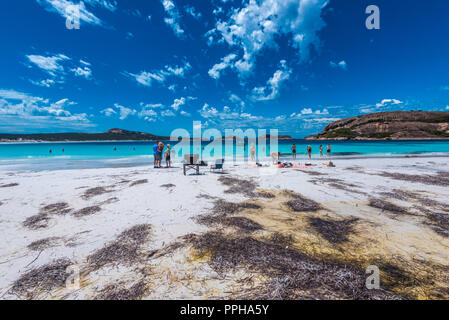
x: 154, y: 66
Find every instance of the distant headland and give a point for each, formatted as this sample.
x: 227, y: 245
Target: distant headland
x: 392, y: 125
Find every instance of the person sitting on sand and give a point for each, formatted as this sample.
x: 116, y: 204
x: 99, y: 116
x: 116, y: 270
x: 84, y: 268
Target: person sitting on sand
x: 168, y: 157
x: 309, y: 151
x: 253, y: 152
x: 294, y: 151
x: 155, y: 153
x: 321, y: 152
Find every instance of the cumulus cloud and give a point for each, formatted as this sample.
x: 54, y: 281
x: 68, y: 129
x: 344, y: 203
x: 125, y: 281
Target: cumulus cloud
x: 257, y: 25
x: 173, y: 17
x: 178, y: 103
x: 84, y: 72
x: 225, y: 63
x: 30, y: 111
x: 271, y: 90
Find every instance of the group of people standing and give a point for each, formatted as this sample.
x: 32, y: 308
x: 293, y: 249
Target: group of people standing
x: 158, y: 150
x: 309, y: 151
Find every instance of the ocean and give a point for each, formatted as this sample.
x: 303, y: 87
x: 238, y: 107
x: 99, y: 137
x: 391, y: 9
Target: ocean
x: 78, y: 155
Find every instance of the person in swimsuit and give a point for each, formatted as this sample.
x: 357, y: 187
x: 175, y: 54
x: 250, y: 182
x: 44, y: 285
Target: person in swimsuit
x: 328, y: 150
x: 294, y: 151
x: 168, y: 157
x: 321, y: 152
x: 159, y: 151
x: 309, y: 151
x: 253, y: 152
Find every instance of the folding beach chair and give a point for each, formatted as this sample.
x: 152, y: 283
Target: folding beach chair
x: 191, y: 163
x: 218, y: 165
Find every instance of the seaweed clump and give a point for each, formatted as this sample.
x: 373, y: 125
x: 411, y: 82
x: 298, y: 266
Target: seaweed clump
x: 138, y: 182
x: 117, y: 292
x: 87, y: 211
x: 125, y: 249
x: 300, y: 203
x: 386, y: 206
x: 42, y: 279
x: 334, y: 231
x: 292, y: 275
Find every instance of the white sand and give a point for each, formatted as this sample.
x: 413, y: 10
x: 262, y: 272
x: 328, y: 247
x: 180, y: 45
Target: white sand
x: 170, y: 210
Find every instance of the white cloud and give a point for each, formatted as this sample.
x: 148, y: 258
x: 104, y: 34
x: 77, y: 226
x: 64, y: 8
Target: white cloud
x: 50, y: 64
x: 146, y: 78
x: 173, y: 17
x: 342, y: 65
x: 29, y: 111
x: 124, y: 111
x: 192, y: 11
x: 108, y: 112
x: 167, y: 113
x: 84, y: 72
x: 385, y: 104
x: 62, y: 7
x: 44, y: 83
x: 178, y: 103
x: 257, y: 25
x: 271, y: 90
x: 55, y: 67
x: 224, y: 64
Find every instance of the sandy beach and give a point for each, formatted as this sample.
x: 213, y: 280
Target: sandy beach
x: 267, y: 233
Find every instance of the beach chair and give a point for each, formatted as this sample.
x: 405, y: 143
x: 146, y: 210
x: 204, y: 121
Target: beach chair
x: 191, y: 162
x: 217, y: 166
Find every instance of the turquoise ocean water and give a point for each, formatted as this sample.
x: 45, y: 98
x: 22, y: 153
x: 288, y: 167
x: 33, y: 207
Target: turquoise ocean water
x: 70, y: 155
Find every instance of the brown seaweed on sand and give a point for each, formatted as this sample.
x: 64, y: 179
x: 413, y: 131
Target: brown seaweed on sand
x: 125, y: 249
x: 291, y: 275
x: 119, y: 292
x: 42, y: 244
x: 300, y: 203
x: 87, y: 211
x: 93, y: 192
x: 10, y: 185
x: 138, y: 182
x: 42, y: 279
x: 334, y: 231
x: 440, y: 179
x: 38, y: 221
x: 386, y: 206
x: 59, y: 208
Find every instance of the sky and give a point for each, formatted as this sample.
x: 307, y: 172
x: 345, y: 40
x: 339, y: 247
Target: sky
x: 159, y: 65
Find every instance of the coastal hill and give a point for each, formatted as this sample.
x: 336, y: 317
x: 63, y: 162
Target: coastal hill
x: 111, y: 135
x: 392, y: 125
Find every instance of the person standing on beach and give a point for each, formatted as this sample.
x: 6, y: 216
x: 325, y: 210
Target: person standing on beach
x: 155, y: 153
x: 309, y: 151
x: 253, y: 152
x: 321, y: 152
x: 329, y: 150
x: 159, y: 151
x: 167, y: 157
x: 294, y: 151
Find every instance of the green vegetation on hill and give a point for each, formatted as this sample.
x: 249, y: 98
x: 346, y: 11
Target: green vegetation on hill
x: 111, y: 135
